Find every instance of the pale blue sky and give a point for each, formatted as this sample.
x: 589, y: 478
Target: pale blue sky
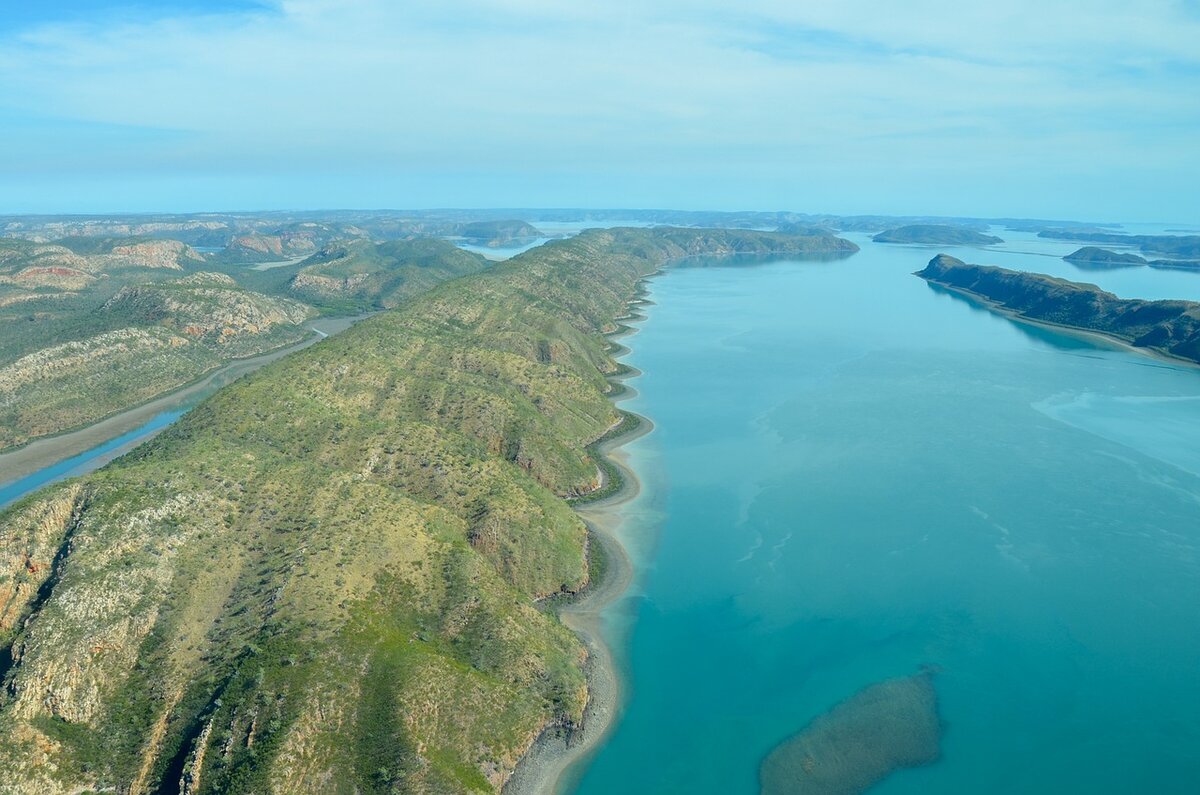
x: 1036, y: 108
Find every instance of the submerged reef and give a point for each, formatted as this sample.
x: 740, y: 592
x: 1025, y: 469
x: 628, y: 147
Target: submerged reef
x: 883, y: 728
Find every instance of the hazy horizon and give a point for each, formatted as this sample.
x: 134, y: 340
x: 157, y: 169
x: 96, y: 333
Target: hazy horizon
x: 1067, y: 111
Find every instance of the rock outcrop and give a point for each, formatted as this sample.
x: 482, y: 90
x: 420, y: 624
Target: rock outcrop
x: 207, y: 306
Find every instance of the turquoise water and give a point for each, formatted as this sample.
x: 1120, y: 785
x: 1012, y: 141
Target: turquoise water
x: 175, y: 405
x: 86, y: 461
x: 854, y: 474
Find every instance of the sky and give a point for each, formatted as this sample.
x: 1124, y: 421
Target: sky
x: 1068, y: 109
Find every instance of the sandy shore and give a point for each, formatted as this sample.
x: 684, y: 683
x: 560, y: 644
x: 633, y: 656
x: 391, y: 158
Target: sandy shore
x: 49, y: 450
x: 543, y: 770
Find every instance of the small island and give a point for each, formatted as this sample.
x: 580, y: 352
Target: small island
x: 1168, y: 327
x: 937, y: 235
x: 1182, y: 246
x: 496, y: 234
x: 1095, y: 256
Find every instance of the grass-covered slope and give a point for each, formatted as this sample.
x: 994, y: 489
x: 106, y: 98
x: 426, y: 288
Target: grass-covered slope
x: 324, y: 578
x: 360, y: 274
x: 105, y: 324
x: 151, y: 338
x: 1171, y: 327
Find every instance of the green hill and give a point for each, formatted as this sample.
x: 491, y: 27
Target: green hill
x: 361, y: 274
x: 148, y: 340
x: 1091, y: 255
x: 499, y: 233
x: 938, y: 235
x: 326, y: 577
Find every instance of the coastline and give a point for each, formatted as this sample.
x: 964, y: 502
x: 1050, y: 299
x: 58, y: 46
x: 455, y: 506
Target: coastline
x: 1118, y: 342
x: 46, y: 451
x: 555, y: 753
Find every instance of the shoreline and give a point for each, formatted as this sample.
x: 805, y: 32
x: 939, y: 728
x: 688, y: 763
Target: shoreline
x: 556, y: 752
x: 1118, y: 342
x: 46, y: 451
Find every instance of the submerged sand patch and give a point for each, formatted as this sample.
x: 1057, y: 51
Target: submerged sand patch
x: 885, y: 727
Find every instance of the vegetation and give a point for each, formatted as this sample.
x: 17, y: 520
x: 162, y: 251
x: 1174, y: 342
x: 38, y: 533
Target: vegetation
x: 1181, y: 246
x: 152, y: 338
x: 1091, y: 255
x: 499, y: 233
x: 936, y: 234
x: 1171, y: 327
x: 359, y: 274
x: 326, y: 577
x: 96, y: 325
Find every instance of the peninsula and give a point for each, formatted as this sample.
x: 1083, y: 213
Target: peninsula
x: 1168, y: 327
x: 328, y: 576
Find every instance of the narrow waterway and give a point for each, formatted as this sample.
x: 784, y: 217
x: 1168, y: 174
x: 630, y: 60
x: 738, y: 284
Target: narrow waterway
x: 81, y: 451
x: 855, y: 476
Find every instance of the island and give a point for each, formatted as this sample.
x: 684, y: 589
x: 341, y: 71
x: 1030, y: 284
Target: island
x: 334, y: 572
x: 936, y: 234
x: 1181, y: 246
x: 1102, y: 257
x: 495, y: 234
x: 1167, y: 327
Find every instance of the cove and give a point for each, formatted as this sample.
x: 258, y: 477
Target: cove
x: 854, y: 477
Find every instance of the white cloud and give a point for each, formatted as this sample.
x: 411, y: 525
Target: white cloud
x: 795, y: 88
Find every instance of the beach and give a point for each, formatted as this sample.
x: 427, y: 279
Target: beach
x: 545, y: 767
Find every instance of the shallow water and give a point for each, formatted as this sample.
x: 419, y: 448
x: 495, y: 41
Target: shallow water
x: 96, y: 448
x: 87, y: 461
x: 855, y: 474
